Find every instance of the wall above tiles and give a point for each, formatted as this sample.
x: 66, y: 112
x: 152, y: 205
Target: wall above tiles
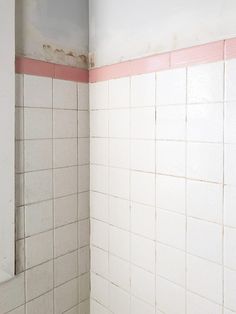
x: 55, y: 31
x: 123, y: 30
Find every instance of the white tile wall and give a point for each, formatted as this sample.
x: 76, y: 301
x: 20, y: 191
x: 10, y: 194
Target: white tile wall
x: 52, y: 227
x: 163, y: 186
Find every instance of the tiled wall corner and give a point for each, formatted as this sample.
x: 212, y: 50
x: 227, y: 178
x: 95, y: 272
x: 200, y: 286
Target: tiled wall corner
x: 52, y: 189
x: 162, y: 194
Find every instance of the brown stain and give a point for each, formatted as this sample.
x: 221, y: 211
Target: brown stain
x: 91, y: 60
x: 79, y: 59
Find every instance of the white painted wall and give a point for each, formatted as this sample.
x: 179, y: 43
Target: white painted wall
x: 7, y: 139
x: 55, y: 30
x: 121, y: 30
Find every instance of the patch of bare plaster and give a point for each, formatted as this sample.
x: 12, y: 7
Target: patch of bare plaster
x: 61, y: 56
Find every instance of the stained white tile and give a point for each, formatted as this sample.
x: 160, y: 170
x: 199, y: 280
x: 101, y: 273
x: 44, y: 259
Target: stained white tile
x: 205, y: 83
x: 119, y: 123
x: 229, y: 164
x: 143, y: 155
x: 19, y: 89
x: 229, y: 205
x: 119, y: 271
x: 204, y: 200
x: 99, y: 123
x: 83, y: 260
x: 19, y: 310
x: 83, y: 151
x: 119, y: 152
x: 230, y: 79
x: 37, y: 91
x: 230, y: 247
x: 65, y: 296
x: 170, y: 158
x: 171, y: 122
x: 119, y: 93
x: 64, y: 152
x: 65, y: 239
x: 12, y: 293
x: 83, y: 178
x: 39, y: 280
x: 230, y: 122
x: 99, y: 262
x: 83, y: 124
x: 38, y: 186
x: 84, y: 287
x: 99, y: 151
x: 205, y: 161
x: 38, y: 249
x: 116, y: 237
x: 99, y: 178
x: 67, y: 119
x: 98, y: 95
x: 119, y: 212
x: 97, y: 308
x: 199, y: 305
x: 42, y: 304
x: 140, y: 307
x: 99, y: 206
x: 204, y: 278
x: 119, y: 300
x: 143, y: 188
x: 99, y: 234
x: 37, y: 123
x: 204, y: 239
x: 165, y: 257
x: 143, y: 90
x: 83, y: 233
x: 83, y: 205
x: 143, y: 252
x: 171, y: 87
x: 170, y: 193
x: 143, y: 123
x: 19, y: 124
x: 38, y: 217
x: 83, y: 96
x: 230, y: 289
x: 143, y: 284
x: 65, y: 210
x: 64, y: 94
x: 205, y: 122
x: 37, y: 155
x: 119, y: 182
x: 65, y: 268
x: 19, y: 156
x: 65, y: 181
x: 100, y: 289
x: 143, y: 220
x: 171, y: 228
x: 175, y: 302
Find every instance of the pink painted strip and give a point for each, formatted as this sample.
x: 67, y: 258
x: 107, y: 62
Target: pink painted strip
x: 230, y: 48
x: 41, y: 68
x: 211, y: 52
x: 150, y: 64
x: 69, y: 73
x: 34, y: 67
x: 110, y: 72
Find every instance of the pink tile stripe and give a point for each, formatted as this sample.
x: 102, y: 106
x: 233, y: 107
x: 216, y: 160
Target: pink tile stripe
x: 41, y: 68
x: 211, y: 52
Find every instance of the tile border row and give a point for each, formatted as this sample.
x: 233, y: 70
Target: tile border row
x: 210, y: 52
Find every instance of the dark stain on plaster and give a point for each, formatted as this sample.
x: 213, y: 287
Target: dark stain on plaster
x: 59, y: 54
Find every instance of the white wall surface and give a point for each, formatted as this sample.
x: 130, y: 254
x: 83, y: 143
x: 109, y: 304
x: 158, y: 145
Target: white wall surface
x: 7, y: 120
x: 55, y: 30
x: 121, y: 30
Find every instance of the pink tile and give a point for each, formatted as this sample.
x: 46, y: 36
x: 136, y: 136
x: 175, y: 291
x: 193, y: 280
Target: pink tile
x: 200, y: 54
x: 150, y: 64
x: 34, y: 67
x: 108, y: 72
x: 230, y: 48
x: 69, y: 73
